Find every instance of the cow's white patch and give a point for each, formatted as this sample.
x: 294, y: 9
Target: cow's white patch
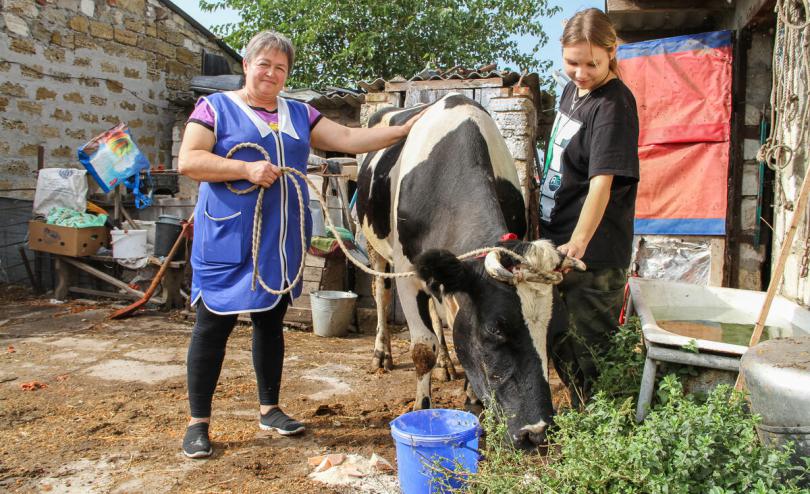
x: 537, y: 428
x: 535, y: 304
x: 536, y: 298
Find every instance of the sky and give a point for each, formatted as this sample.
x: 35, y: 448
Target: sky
x: 552, y: 25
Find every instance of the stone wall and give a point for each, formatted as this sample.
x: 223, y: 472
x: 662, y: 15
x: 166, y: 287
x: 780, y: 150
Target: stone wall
x: 71, y: 69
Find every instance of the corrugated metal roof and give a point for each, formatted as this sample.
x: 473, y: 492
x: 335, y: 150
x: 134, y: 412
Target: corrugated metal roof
x: 333, y: 98
x: 510, y: 78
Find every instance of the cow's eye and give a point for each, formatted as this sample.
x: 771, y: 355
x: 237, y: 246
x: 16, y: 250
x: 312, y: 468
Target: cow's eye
x: 495, y: 332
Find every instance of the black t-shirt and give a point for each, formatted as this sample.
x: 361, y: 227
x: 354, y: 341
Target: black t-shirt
x: 596, y: 134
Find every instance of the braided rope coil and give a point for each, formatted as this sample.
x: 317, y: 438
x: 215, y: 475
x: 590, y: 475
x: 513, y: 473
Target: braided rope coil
x: 525, y: 273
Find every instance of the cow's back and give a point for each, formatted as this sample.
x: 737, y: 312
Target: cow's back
x: 452, y: 184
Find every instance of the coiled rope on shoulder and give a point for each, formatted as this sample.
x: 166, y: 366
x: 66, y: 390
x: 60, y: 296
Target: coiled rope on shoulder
x: 257, y: 228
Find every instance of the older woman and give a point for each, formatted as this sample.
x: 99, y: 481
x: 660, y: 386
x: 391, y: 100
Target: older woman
x: 221, y: 257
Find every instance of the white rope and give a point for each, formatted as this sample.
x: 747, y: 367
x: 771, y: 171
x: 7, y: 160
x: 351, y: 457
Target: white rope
x: 257, y: 223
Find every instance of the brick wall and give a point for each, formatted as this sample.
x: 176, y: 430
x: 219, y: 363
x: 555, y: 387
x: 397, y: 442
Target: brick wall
x: 71, y: 69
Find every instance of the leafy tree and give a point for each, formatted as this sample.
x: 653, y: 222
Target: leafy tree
x: 339, y: 42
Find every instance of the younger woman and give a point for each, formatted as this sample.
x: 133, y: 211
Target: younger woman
x: 588, y: 195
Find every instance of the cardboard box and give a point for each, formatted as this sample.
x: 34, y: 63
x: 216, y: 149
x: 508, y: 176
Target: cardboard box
x: 66, y: 241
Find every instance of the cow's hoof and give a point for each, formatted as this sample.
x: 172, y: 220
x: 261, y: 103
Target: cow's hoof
x: 423, y: 404
x: 382, y: 361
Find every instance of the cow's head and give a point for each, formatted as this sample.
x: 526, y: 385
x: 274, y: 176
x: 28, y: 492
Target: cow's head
x: 500, y: 310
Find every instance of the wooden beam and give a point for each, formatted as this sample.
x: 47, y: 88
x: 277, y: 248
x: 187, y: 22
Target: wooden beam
x: 444, y: 84
x: 102, y: 276
x: 639, y: 6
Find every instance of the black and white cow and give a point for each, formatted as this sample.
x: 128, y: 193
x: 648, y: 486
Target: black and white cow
x: 449, y: 188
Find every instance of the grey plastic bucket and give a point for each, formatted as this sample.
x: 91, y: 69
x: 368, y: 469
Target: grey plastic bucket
x: 332, y: 312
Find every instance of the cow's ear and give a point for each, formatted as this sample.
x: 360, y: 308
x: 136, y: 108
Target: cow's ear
x: 441, y: 269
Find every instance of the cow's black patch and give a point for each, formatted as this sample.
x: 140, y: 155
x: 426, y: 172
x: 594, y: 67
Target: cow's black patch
x: 512, y: 206
x: 374, y: 190
x: 379, y: 114
x: 455, y: 100
x: 450, y: 200
x: 423, y: 304
x: 405, y: 115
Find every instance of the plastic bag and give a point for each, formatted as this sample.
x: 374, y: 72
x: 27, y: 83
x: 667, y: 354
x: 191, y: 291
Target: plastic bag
x: 60, y: 187
x: 113, y: 158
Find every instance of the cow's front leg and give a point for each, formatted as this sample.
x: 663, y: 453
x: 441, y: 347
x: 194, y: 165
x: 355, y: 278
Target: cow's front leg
x: 444, y: 370
x: 424, y: 344
x: 383, y: 359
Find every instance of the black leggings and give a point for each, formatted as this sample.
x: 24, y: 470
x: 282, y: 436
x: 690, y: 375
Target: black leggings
x: 207, y: 351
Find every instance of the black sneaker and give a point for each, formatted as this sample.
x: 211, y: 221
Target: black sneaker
x: 279, y: 421
x: 196, y: 443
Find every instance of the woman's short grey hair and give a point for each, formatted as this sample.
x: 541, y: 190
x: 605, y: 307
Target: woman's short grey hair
x: 270, y: 40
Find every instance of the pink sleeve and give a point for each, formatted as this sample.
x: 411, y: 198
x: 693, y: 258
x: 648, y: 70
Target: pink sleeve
x: 203, y: 114
x: 314, y: 115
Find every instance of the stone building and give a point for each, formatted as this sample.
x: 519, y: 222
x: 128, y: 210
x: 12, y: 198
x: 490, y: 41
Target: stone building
x: 71, y: 69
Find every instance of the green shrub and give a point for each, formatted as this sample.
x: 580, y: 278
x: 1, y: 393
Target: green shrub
x: 684, y: 446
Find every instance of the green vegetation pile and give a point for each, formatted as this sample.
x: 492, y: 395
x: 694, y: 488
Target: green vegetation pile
x: 687, y: 444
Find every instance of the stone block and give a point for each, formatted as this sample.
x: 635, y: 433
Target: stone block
x: 125, y: 36
x: 111, y: 119
x: 16, y: 24
x: 45, y: 93
x: 31, y: 72
x: 23, y: 46
x: 128, y: 106
x: 150, y: 109
x: 750, y: 149
x: 98, y: 100
x: 48, y: 131
x: 134, y: 6
x: 63, y: 115
x: 79, y: 24
x: 88, y: 7
x: 748, y: 213
x: 23, y: 8
x: 109, y: 68
x: 101, y: 30
x: 31, y: 107
x: 134, y: 25
x: 13, y: 89
x: 11, y: 124
x: 62, y: 152
x: 510, y: 105
x: 89, y: 117
x: 81, y: 40
x: 74, y: 97
x: 28, y: 150
x: 750, y: 180
x: 3, y: 103
x: 81, y: 62
x: 135, y: 124
x: 79, y: 134
x: 114, y: 86
x: 187, y: 57
x: 131, y: 73
x: 4, y: 66
x: 54, y: 54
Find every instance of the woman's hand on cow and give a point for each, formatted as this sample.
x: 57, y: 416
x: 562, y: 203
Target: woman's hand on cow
x: 262, y: 173
x: 407, y: 126
x: 573, y: 248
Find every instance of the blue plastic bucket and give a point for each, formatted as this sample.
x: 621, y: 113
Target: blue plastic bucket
x: 436, y: 449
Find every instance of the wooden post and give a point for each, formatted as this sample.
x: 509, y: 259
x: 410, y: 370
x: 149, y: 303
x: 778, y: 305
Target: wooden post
x: 779, y: 270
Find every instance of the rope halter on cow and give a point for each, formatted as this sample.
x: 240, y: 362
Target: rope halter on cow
x: 529, y: 268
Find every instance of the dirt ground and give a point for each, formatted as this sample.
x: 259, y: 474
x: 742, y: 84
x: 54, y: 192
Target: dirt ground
x: 113, y: 412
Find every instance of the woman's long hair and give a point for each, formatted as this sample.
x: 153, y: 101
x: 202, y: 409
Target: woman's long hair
x: 593, y: 27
